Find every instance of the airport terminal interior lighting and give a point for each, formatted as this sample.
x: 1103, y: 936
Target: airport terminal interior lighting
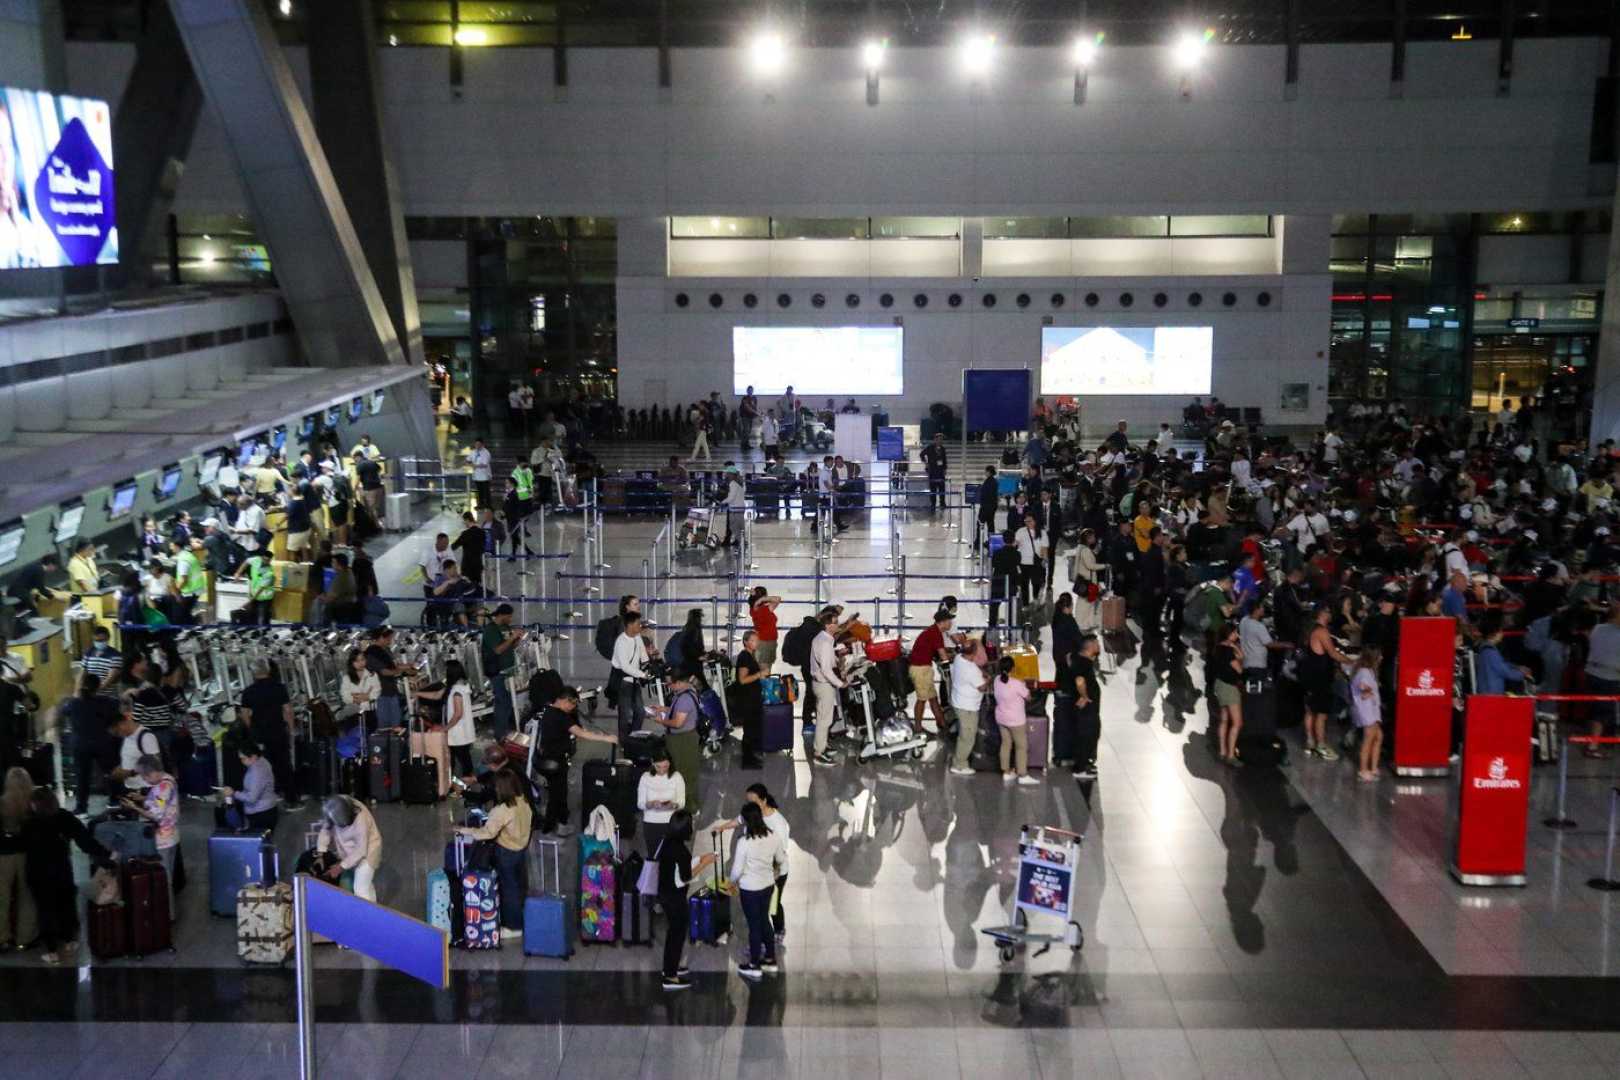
x: 977, y: 52
x: 767, y: 52
x: 872, y: 55
x: 1190, y: 48
x: 1085, y: 52
x: 472, y: 35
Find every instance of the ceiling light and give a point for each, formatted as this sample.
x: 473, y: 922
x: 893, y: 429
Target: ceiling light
x: 208, y: 257
x: 872, y: 55
x: 472, y: 35
x: 1190, y: 48
x: 767, y: 52
x: 977, y: 52
x: 1085, y: 51
x: 285, y: 8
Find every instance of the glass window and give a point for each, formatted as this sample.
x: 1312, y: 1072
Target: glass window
x: 820, y: 228
x: 1516, y: 222
x: 1025, y: 228
x: 1221, y: 225
x: 713, y: 228
x: 884, y: 228
x: 1119, y: 226
x: 1349, y: 224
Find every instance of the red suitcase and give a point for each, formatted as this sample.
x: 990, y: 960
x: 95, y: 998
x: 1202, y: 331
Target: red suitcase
x: 107, y: 927
x: 146, y: 901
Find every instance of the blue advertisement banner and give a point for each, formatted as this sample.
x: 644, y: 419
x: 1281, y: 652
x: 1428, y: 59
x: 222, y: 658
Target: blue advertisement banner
x: 388, y: 937
x: 1045, y: 887
x: 891, y: 444
x: 57, y: 203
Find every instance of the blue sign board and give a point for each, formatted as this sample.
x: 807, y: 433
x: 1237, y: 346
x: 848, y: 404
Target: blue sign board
x: 996, y: 400
x: 56, y: 203
x: 891, y: 444
x: 387, y: 936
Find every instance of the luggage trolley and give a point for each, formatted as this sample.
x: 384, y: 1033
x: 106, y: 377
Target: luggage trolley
x: 888, y: 738
x: 1047, y: 860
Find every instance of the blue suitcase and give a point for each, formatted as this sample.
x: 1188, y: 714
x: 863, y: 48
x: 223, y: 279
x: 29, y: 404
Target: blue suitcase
x: 236, y: 860
x: 480, y: 909
x: 776, y: 729
x: 708, y: 913
x: 546, y: 927
x: 200, y: 772
x: 438, y: 899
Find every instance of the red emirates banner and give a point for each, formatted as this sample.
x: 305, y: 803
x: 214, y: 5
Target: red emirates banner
x: 1423, y: 687
x: 1494, y: 807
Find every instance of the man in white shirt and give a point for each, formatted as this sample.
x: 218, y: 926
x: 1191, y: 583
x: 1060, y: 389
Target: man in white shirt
x: 249, y: 520
x: 482, y: 463
x: 514, y: 409
x: 1331, y: 445
x: 1406, y: 466
x: 969, y: 681
x: 824, y: 674
x: 438, y: 554
x: 1242, y: 470
x: 770, y: 434
x: 1033, y: 547
x: 1504, y: 416
x: 1309, y: 526
x: 1456, y: 561
x: 629, y: 669
x: 136, y: 741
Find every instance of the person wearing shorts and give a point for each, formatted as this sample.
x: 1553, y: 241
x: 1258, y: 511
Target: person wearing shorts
x: 930, y: 644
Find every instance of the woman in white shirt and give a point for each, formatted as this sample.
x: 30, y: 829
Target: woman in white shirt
x: 458, y: 716
x: 659, y: 794
x: 760, y: 853
x: 759, y: 795
x: 358, y: 691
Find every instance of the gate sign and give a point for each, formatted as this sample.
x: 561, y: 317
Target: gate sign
x: 1423, y: 689
x: 56, y: 181
x: 1493, y: 806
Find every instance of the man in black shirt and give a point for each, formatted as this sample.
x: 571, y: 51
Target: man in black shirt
x: 1004, y: 570
x: 369, y: 473
x: 1150, y: 588
x: 380, y: 661
x: 559, y: 727
x: 471, y: 544
x: 989, y: 498
x: 933, y: 459
x: 1088, y: 707
x: 365, y: 573
x: 270, y: 718
x: 30, y: 582
x: 222, y: 556
x: 750, y: 701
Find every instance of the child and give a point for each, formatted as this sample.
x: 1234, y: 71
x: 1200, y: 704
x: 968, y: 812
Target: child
x: 1364, y: 695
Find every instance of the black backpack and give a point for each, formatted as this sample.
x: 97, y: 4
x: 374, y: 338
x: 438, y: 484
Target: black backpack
x: 796, y: 646
x: 607, y: 632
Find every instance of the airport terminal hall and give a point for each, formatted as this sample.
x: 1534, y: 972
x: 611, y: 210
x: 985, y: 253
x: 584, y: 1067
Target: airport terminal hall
x: 800, y: 539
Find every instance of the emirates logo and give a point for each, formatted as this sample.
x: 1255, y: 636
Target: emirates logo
x: 1498, y: 769
x: 1497, y: 778
x: 1426, y: 680
x: 1426, y: 687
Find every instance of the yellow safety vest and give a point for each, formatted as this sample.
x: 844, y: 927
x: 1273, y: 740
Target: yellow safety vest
x: 261, y: 579
x: 523, y: 480
x: 192, y: 581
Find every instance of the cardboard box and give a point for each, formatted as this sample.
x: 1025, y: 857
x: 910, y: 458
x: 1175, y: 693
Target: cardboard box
x: 290, y: 575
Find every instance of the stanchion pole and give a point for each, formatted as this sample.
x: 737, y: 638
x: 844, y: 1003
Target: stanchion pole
x: 304, y: 976
x: 1562, y: 820
x: 900, y: 598
x: 877, y: 612
x: 818, y: 577
x: 1607, y: 883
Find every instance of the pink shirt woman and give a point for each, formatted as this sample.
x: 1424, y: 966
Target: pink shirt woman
x: 1011, y: 694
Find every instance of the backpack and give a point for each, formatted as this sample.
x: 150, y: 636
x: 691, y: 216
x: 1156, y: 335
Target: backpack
x: 674, y: 651
x: 607, y: 632
x: 796, y: 646
x: 1195, y: 616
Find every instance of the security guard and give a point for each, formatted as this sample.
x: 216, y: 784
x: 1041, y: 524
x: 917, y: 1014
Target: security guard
x: 261, y: 579
x: 191, y: 579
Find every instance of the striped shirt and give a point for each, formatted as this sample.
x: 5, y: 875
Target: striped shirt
x: 102, y: 665
x: 152, y: 709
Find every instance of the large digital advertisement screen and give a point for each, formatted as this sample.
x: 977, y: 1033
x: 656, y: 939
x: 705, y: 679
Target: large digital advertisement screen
x: 1126, y: 359
x: 56, y: 181
x: 842, y: 361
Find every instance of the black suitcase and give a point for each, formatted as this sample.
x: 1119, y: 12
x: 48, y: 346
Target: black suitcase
x: 316, y: 767
x: 352, y: 778
x: 1259, y: 706
x: 39, y: 758
x: 385, y: 761
x: 419, y: 781
x: 986, y: 753
x: 611, y: 784
x: 1261, y: 751
x: 634, y: 920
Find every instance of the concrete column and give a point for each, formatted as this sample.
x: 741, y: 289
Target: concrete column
x: 152, y: 129
x: 349, y: 122
x: 972, y: 247
x: 322, y: 269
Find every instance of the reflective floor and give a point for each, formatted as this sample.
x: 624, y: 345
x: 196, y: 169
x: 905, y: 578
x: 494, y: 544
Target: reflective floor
x: 1284, y: 923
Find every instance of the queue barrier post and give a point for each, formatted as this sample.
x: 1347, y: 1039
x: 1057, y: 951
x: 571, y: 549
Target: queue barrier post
x: 1607, y: 882
x: 1561, y: 819
x: 900, y: 595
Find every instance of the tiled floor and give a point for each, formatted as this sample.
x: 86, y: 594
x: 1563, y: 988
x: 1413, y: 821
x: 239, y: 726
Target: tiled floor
x: 1290, y: 923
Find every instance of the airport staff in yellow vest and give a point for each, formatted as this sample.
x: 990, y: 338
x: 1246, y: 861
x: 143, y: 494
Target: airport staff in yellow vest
x: 261, y: 579
x: 191, y: 579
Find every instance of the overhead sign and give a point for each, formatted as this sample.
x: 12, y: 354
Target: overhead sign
x: 1524, y: 324
x: 57, y: 203
x: 1423, y: 688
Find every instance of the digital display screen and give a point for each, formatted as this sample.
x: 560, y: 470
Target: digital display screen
x: 245, y: 451
x: 842, y: 361
x: 56, y: 168
x: 278, y: 438
x: 307, y: 428
x: 332, y: 415
x: 169, y: 482
x: 67, y: 525
x: 376, y: 402
x: 11, y: 538
x: 208, y: 471
x: 1174, y: 360
x: 357, y: 408
x: 123, y: 500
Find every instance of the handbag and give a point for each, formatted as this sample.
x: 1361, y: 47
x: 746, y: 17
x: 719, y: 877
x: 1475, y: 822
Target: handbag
x: 647, y: 880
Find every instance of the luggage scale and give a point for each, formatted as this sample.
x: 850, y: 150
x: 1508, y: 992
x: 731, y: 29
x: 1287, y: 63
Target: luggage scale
x: 1047, y: 860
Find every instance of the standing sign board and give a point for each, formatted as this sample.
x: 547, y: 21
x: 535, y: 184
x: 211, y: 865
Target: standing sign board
x: 1493, y: 805
x: 1423, y: 687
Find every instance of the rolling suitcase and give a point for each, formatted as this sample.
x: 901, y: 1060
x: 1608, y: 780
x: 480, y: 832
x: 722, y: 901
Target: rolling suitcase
x: 316, y: 767
x: 641, y: 747
x: 125, y: 838
x: 264, y: 923
x: 352, y: 773
x: 708, y: 912
x: 598, y: 894
x: 1112, y: 613
x: 986, y: 753
x: 545, y: 914
x: 107, y: 930
x: 776, y: 729
x: 635, y: 926
x: 236, y: 860
x: 419, y: 782
x: 1038, y: 729
x: 438, y: 899
x: 39, y: 759
x: 480, y: 902
x: 146, y: 903
x: 200, y: 772
x: 434, y: 746
x: 611, y: 784
x: 385, y: 760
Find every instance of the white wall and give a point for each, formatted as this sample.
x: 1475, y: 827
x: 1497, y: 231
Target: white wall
x: 506, y: 146
x: 669, y: 355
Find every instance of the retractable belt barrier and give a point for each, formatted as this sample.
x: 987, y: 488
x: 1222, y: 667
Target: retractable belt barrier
x: 1561, y: 818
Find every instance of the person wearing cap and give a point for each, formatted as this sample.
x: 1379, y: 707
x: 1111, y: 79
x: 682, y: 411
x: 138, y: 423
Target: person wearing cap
x: 350, y: 832
x: 191, y: 579
x: 498, y: 644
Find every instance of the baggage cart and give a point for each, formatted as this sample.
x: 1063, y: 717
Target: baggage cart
x: 1047, y: 860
